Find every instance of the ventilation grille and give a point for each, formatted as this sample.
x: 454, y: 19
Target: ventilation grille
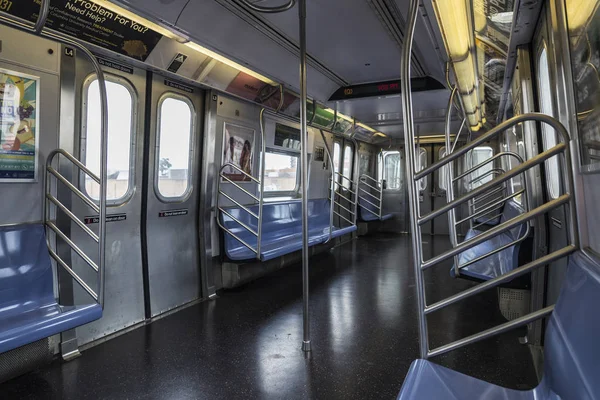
x: 24, y: 359
x: 513, y: 303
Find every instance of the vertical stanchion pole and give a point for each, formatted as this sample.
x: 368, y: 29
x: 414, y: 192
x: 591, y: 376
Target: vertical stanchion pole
x: 409, y: 143
x: 450, y: 181
x: 304, y: 178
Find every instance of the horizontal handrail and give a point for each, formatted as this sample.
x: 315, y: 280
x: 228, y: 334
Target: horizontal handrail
x: 499, y: 249
x: 369, y: 177
x: 366, y: 192
x: 70, y: 271
x: 540, y: 158
x: 75, y: 161
x: 558, y: 127
x: 252, y: 231
x: 505, y: 327
x: 269, y: 10
x: 72, y: 245
x: 482, y: 212
x: 373, y: 204
x: 481, y: 197
x: 341, y: 206
x: 496, y: 171
x: 74, y: 189
x: 344, y: 176
x: 485, y: 162
x: 503, y: 227
x: 247, y: 175
x: 372, y: 187
x: 237, y: 203
x: 73, y: 217
x: 344, y: 218
x: 515, y: 273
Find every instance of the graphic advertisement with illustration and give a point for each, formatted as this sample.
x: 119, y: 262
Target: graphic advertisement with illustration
x: 238, y: 143
x: 18, y: 126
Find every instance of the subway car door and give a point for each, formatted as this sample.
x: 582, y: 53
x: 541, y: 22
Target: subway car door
x: 544, y: 60
x: 392, y: 170
x: 124, y: 291
x: 171, y: 223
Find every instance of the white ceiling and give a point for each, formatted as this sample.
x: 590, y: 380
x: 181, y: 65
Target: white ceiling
x: 342, y: 35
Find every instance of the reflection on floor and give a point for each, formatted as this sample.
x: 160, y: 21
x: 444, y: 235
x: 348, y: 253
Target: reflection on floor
x: 246, y: 343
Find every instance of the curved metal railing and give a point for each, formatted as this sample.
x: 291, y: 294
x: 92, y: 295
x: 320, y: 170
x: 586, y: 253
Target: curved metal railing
x: 417, y: 220
x: 367, y: 181
x: 39, y: 29
x: 269, y: 10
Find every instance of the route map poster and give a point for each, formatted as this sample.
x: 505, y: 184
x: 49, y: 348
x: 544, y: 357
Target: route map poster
x: 93, y: 23
x: 19, y: 116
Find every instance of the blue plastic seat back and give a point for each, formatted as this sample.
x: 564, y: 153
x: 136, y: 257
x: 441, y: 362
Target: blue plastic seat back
x: 571, y: 348
x: 510, y: 211
x: 26, y: 277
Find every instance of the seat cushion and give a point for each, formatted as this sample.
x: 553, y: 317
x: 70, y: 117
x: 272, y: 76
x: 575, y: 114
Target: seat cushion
x: 428, y: 381
x: 44, y: 322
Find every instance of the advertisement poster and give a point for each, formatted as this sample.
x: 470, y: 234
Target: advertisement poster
x: 238, y: 145
x: 93, y: 23
x: 18, y: 126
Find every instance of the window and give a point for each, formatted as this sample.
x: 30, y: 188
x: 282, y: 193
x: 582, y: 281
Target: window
x: 548, y: 134
x: 364, y: 163
x: 120, y: 137
x: 442, y: 178
x: 175, y: 135
x: 422, y: 164
x: 281, y: 171
x: 481, y: 175
x: 347, y: 167
x: 337, y: 149
x: 392, y: 170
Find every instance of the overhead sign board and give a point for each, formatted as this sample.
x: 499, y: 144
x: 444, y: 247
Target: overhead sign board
x: 386, y: 88
x: 93, y: 23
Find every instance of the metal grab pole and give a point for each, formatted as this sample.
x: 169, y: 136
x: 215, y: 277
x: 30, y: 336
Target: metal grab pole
x: 304, y: 178
x: 409, y: 145
x: 450, y: 182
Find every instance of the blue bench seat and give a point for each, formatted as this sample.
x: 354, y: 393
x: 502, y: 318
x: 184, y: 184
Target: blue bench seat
x: 368, y: 212
x: 501, y: 262
x: 571, y: 352
x: 281, y: 229
x: 28, y: 310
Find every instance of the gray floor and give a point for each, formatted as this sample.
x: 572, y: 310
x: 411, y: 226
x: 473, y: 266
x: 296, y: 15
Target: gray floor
x: 246, y: 343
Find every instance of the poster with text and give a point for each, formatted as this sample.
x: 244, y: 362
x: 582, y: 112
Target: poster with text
x: 19, y: 118
x: 238, y: 145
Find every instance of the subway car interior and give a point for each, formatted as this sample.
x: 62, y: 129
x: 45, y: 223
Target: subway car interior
x: 300, y: 199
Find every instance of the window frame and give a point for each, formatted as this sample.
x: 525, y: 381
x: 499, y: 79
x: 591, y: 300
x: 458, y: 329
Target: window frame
x: 285, y: 193
x: 83, y: 137
x: 419, y: 168
x: 442, y: 170
x: 384, y: 174
x: 190, y: 182
x: 345, y: 182
x: 546, y: 130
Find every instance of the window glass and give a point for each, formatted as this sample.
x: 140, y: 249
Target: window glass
x: 347, y: 167
x: 421, y: 164
x: 392, y: 170
x: 548, y: 134
x: 337, y: 150
x: 174, y: 145
x: 364, y: 163
x: 443, y: 171
x: 481, y: 175
x: 281, y: 171
x: 120, y: 111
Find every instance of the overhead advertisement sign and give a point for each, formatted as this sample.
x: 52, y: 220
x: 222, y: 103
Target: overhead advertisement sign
x: 19, y: 117
x: 93, y: 23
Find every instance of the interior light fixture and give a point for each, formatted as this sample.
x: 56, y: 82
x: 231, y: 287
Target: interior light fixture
x: 579, y: 13
x: 453, y: 19
x: 171, y: 35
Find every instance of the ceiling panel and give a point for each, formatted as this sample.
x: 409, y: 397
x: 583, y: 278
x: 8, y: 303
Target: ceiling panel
x: 166, y: 10
x: 213, y: 26
x: 346, y: 36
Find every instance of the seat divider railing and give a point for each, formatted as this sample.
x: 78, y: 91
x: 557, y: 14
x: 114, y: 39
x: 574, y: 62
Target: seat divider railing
x: 332, y: 185
x: 363, y: 180
x: 38, y: 28
x: 417, y: 220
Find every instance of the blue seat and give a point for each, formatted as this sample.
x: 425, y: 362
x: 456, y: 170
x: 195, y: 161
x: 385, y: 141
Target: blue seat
x: 368, y: 212
x: 28, y: 309
x: 501, y: 262
x: 571, y: 350
x: 281, y: 229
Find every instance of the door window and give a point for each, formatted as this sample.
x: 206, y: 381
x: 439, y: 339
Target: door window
x: 175, y: 135
x: 481, y: 175
x: 121, y: 100
x: 442, y: 178
x: 392, y: 170
x: 347, y: 167
x: 422, y: 164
